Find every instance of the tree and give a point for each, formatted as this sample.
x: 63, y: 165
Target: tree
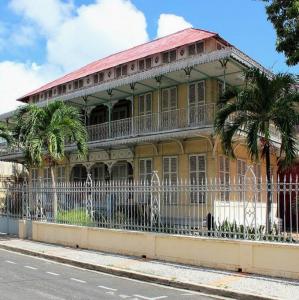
x: 43, y: 131
x: 5, y: 134
x: 284, y: 15
x: 262, y: 102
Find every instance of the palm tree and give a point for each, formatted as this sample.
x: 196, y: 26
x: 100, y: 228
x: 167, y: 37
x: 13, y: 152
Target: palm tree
x: 263, y: 102
x: 42, y: 133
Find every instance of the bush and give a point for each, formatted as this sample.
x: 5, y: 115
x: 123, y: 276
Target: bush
x: 74, y: 217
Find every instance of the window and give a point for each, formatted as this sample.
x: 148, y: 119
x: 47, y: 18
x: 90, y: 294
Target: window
x: 98, y: 172
x: 50, y: 93
x: 197, y: 48
x: 60, y: 174
x: 145, y: 63
x: 196, y: 100
x: 47, y: 176
x: 169, y: 56
x: 224, y: 177
x: 99, y: 77
x: 170, y: 177
x: 145, y: 170
x: 80, y: 83
x: 197, y: 170
x: 34, y: 176
x: 241, y: 170
x: 169, y: 99
x: 121, y: 71
x: 76, y: 84
x: 197, y: 93
x: 145, y: 104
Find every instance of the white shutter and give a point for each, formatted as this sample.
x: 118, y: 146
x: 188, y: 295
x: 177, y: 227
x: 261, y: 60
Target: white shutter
x: 141, y: 105
x: 165, y: 99
x: 173, y: 98
x: 201, y: 92
x: 148, y: 103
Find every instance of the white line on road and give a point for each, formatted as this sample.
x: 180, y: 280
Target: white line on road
x: 78, y: 280
x: 110, y: 293
x: 124, y: 296
x: 107, y: 288
x: 52, y: 273
x: 187, y: 295
x: 29, y: 267
x: 147, y: 298
x: 10, y: 262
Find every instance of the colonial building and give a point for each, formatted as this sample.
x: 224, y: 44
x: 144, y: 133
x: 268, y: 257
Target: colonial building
x: 152, y: 107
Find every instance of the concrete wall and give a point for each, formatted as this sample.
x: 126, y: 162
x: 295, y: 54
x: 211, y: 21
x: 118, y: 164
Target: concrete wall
x: 274, y: 259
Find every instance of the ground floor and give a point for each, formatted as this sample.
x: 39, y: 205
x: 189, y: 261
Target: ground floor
x: 195, y: 159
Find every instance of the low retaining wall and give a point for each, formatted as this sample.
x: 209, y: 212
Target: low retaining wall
x: 274, y: 259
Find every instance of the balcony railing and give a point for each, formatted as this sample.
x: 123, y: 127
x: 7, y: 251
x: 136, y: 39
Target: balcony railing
x: 195, y: 116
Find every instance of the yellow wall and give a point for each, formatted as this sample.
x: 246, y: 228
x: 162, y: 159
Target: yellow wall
x: 274, y: 259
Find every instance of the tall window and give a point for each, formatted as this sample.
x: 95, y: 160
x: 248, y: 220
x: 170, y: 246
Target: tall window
x: 169, y: 99
x: 60, y: 174
x: 169, y: 56
x: 145, y: 104
x: 197, y: 169
x: 170, y: 177
x: 145, y: 176
x: 196, y: 101
x: 34, y: 176
x: 197, y: 93
x: 145, y: 170
x: 47, y: 176
x: 224, y: 174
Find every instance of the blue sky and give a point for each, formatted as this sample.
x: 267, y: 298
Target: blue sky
x: 43, y: 39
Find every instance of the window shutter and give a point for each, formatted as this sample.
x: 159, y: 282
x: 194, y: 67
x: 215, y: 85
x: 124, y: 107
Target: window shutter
x: 193, y: 163
x: 166, y: 166
x: 96, y: 78
x: 141, y: 104
x: 148, y: 63
x: 141, y: 65
x: 124, y: 70
x: 192, y: 94
x: 148, y: 166
x: 172, y: 55
x: 201, y: 91
x: 148, y: 104
x: 191, y: 49
x: 200, y: 47
x: 173, y: 98
x: 165, y: 100
x: 165, y: 57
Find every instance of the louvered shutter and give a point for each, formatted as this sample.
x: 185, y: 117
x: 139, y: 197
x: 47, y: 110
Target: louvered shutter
x: 148, y: 104
x: 192, y: 94
x: 201, y: 92
x: 173, y: 98
x: 165, y: 99
x: 141, y: 105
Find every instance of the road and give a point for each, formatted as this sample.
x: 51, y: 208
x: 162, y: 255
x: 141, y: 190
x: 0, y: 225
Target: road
x: 25, y: 277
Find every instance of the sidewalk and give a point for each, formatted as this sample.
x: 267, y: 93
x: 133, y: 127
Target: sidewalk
x: 222, y: 283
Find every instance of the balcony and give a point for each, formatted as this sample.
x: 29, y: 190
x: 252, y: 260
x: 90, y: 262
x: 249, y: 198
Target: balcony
x: 151, y: 124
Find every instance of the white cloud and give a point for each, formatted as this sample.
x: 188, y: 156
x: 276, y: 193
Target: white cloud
x: 169, y: 23
x: 47, y: 14
x: 97, y: 30
x: 17, y: 79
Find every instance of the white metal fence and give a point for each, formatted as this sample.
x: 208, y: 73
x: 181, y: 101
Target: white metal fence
x: 183, y: 207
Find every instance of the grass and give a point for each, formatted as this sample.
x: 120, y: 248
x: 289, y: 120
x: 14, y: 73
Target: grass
x: 74, y: 217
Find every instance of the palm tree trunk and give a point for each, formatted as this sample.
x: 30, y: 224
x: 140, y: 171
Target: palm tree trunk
x: 269, y: 193
x: 54, y: 193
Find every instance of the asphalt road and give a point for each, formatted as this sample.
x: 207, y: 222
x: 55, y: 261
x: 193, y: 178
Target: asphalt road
x: 25, y: 277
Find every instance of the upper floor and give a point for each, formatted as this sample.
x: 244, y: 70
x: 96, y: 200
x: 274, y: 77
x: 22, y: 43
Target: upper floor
x: 165, y: 89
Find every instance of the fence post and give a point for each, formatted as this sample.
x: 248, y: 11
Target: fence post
x: 88, y: 199
x: 155, y: 201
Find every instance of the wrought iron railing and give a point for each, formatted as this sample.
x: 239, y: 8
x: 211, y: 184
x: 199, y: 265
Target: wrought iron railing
x: 247, y: 211
x: 195, y: 116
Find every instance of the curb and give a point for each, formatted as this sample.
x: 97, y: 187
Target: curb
x: 141, y: 276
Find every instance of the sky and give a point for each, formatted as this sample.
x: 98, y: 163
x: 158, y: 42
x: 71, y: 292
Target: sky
x: 41, y: 40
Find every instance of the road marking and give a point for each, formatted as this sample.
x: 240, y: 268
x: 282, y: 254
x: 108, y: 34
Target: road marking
x: 10, y: 262
x: 78, y: 280
x: 124, y: 296
x: 110, y: 293
x: 187, y: 294
x: 147, y: 298
x: 29, y: 267
x: 52, y: 273
x: 107, y: 288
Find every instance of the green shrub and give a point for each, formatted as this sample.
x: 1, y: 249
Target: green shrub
x: 74, y: 217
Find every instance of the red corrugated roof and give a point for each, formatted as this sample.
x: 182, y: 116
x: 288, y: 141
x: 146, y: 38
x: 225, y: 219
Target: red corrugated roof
x: 171, y: 41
